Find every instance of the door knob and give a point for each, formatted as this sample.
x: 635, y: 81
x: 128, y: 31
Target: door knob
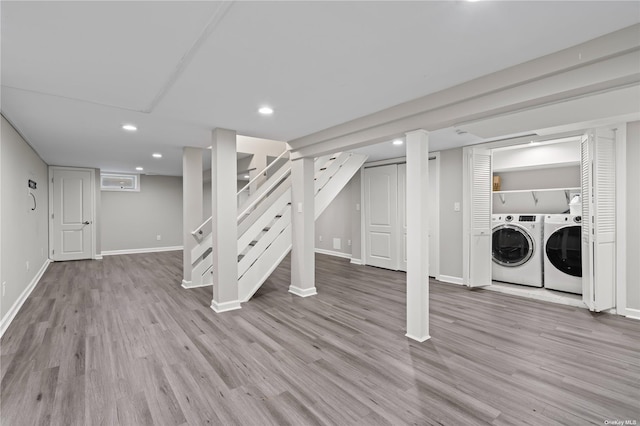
x: 86, y: 222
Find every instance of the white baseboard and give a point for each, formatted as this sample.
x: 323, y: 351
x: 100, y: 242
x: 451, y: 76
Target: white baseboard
x: 633, y: 313
x: 303, y: 292
x: 225, y: 307
x: 98, y: 257
x: 356, y: 261
x: 11, y: 314
x: 189, y: 284
x: 418, y: 339
x: 450, y: 279
x: 333, y: 253
x: 142, y: 250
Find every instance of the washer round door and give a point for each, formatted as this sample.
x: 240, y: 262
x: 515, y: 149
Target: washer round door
x: 564, y: 250
x: 511, y: 245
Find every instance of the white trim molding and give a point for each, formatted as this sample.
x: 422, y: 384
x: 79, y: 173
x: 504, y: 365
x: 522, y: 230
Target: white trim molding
x: 140, y: 250
x: 13, y: 311
x: 419, y: 340
x: 189, y: 284
x: 633, y: 313
x: 225, y: 306
x: 333, y: 253
x: 303, y: 292
x: 449, y: 279
x: 357, y: 261
x: 98, y: 257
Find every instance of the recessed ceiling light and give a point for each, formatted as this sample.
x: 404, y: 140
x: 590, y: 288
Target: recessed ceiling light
x: 398, y: 142
x: 139, y: 169
x: 129, y: 127
x: 156, y: 155
x: 265, y: 110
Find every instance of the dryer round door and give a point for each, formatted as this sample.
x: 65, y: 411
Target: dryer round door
x: 511, y: 245
x: 564, y: 250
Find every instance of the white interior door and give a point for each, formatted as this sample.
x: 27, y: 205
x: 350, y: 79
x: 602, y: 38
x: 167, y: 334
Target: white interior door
x: 402, y: 216
x: 72, y: 214
x: 381, y: 201
x: 480, y: 219
x: 598, y: 219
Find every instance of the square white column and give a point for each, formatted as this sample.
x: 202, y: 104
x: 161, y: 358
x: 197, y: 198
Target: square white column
x: 417, y: 208
x: 224, y: 213
x: 302, y: 228
x: 191, y: 205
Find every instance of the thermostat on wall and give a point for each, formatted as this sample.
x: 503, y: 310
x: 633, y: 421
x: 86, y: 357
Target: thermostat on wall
x: 32, y: 184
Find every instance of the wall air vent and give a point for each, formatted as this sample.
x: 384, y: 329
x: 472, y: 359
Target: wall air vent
x: 119, y: 182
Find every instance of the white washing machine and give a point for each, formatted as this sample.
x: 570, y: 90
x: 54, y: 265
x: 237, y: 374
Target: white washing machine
x: 517, y: 248
x: 563, y: 252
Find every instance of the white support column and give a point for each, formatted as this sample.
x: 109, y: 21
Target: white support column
x: 224, y: 220
x: 191, y: 205
x: 302, y: 228
x: 417, y: 235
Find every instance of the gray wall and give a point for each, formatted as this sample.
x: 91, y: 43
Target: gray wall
x: 548, y: 202
x: 337, y: 221
x: 25, y: 233
x: 633, y: 215
x: 450, y: 220
x: 132, y: 220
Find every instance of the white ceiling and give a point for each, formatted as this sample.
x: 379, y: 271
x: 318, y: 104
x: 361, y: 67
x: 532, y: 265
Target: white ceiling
x: 74, y: 72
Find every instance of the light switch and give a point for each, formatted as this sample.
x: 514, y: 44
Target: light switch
x: 456, y: 206
x: 299, y: 207
x: 357, y: 207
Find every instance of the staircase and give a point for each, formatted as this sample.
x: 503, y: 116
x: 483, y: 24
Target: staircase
x: 264, y: 222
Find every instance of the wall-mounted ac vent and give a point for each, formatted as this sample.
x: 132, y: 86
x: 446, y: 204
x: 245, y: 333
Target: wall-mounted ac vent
x: 119, y: 182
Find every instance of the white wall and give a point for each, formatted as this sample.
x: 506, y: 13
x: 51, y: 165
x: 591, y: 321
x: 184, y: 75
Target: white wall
x: 25, y: 233
x: 633, y: 215
x: 132, y: 220
x: 337, y: 221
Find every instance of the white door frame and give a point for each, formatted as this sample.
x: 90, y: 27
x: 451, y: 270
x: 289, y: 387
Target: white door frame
x: 621, y: 197
x: 93, y: 207
x: 401, y: 160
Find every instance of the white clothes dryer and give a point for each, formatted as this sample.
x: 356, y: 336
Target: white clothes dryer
x: 563, y: 252
x: 517, y: 248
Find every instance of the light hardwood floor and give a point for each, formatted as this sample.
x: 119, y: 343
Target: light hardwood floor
x: 118, y: 341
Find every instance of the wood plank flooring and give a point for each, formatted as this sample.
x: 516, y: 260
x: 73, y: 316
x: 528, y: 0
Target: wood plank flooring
x: 119, y: 342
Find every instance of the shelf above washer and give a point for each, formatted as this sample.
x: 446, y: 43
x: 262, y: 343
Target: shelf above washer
x: 534, y: 192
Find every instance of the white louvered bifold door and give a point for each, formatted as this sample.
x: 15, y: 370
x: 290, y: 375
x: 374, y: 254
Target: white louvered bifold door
x: 598, y: 219
x: 480, y: 238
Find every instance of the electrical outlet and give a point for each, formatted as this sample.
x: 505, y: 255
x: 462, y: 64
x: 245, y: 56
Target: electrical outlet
x: 357, y: 207
x: 349, y: 242
x: 319, y: 237
x: 456, y: 206
x: 4, y: 287
x: 337, y: 243
x: 158, y: 237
